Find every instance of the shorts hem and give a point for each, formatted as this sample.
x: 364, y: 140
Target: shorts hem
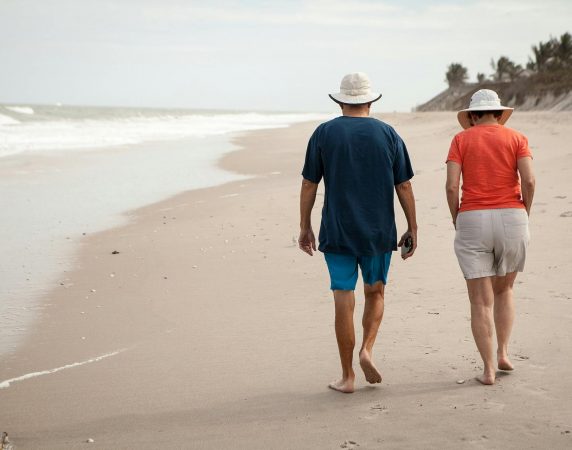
x: 475, y: 275
x: 384, y: 282
x: 332, y: 288
x: 517, y: 269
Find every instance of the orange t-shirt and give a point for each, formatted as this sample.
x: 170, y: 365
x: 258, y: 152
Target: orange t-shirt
x: 488, y: 157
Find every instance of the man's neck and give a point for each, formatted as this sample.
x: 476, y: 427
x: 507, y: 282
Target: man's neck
x: 355, y: 111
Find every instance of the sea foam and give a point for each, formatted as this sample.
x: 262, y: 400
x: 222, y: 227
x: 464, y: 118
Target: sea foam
x: 21, y: 109
x: 70, y: 134
x: 6, y: 120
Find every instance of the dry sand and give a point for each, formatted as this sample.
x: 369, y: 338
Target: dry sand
x: 225, y: 329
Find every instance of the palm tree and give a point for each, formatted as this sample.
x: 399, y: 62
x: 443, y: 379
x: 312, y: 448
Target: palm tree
x: 456, y: 75
x: 544, y: 55
x: 564, y: 50
x: 505, y: 69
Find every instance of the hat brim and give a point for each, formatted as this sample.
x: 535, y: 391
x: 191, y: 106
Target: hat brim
x: 355, y: 99
x: 465, y: 122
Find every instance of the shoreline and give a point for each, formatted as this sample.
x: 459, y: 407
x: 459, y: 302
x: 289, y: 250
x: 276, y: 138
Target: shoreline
x: 68, y: 171
x: 208, y: 281
x: 57, y: 198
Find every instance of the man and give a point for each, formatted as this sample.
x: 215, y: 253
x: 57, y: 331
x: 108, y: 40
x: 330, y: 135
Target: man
x: 362, y: 160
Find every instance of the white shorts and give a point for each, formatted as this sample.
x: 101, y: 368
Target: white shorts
x: 491, y: 242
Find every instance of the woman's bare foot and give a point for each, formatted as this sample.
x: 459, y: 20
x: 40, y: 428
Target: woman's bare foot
x: 504, y: 363
x: 371, y: 373
x: 486, y: 378
x: 345, y: 385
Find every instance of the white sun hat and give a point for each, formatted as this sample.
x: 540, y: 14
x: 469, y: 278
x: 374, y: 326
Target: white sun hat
x: 484, y: 100
x: 355, y: 90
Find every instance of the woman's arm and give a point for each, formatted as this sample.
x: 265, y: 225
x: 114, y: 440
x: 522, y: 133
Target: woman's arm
x: 452, y: 188
x: 527, y: 181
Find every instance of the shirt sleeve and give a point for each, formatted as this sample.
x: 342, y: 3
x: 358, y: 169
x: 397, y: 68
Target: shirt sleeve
x: 313, y: 167
x: 402, y: 170
x: 523, y: 149
x: 454, y: 152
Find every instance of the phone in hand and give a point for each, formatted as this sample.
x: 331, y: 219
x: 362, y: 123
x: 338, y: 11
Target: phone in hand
x: 407, y: 246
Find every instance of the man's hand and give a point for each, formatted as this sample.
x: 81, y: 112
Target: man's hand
x: 307, y: 241
x: 413, y: 235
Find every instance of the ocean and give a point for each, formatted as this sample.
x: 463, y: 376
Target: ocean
x: 68, y: 171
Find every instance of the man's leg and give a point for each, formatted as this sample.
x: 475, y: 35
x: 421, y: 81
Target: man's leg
x: 504, y: 316
x: 372, y: 315
x: 482, y: 297
x: 345, y: 334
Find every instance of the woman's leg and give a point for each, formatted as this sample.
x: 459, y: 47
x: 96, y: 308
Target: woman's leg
x: 482, y: 299
x: 504, y: 316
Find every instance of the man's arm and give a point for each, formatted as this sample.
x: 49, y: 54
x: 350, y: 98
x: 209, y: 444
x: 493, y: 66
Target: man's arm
x: 307, y: 240
x: 452, y: 188
x: 407, y: 200
x: 527, y: 181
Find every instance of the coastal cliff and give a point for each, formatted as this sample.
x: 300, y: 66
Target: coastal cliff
x: 522, y: 94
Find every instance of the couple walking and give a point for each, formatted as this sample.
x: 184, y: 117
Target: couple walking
x: 363, y: 161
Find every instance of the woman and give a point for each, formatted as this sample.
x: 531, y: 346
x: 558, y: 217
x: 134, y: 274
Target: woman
x: 491, y: 220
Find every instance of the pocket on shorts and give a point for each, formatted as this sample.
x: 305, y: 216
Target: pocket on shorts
x: 515, y: 225
x: 516, y: 231
x: 472, y: 232
x: 469, y: 225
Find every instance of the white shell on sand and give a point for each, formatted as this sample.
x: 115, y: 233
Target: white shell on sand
x: 460, y: 381
x: 90, y: 441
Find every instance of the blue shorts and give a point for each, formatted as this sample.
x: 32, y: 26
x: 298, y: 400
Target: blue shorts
x: 344, y: 269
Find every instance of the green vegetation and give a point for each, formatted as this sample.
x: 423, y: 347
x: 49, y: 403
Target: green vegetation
x: 554, y: 55
x: 548, y: 69
x: 505, y: 69
x: 456, y: 75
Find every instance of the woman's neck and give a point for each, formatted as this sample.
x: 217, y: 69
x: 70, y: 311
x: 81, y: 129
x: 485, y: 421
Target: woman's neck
x: 487, y: 119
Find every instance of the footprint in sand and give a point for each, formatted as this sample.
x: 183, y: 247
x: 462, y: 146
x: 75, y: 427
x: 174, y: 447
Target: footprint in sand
x: 349, y: 444
x: 566, y: 214
x: 491, y: 405
x: 476, y: 440
x: 375, y: 411
x: 380, y: 408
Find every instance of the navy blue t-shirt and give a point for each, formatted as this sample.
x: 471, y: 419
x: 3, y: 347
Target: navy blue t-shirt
x: 361, y: 160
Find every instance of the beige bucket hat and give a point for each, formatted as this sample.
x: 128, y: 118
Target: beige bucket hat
x: 355, y: 90
x: 484, y: 100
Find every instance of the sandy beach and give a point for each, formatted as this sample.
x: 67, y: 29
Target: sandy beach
x: 210, y: 329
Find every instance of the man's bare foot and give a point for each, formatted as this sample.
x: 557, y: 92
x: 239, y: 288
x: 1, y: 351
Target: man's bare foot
x: 345, y: 385
x: 505, y: 364
x: 486, y: 378
x: 372, y: 375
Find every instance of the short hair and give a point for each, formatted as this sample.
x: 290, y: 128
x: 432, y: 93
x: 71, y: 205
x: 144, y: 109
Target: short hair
x: 479, y: 114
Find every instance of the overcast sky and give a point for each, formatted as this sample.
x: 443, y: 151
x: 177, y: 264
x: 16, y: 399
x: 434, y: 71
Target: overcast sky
x: 256, y: 55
